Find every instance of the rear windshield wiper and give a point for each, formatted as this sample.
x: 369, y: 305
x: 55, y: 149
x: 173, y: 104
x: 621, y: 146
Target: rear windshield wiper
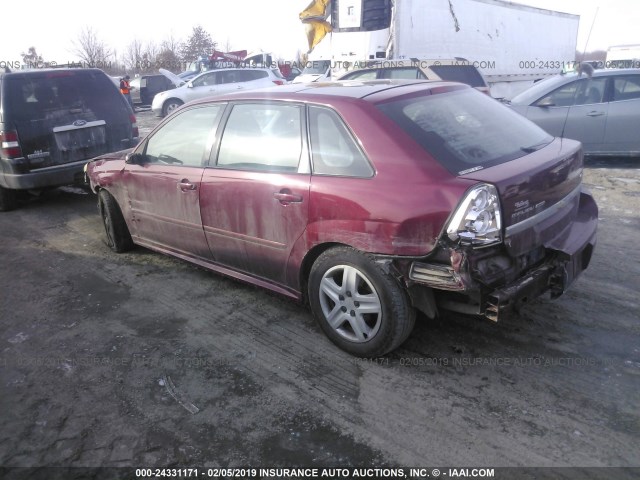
x: 533, y: 148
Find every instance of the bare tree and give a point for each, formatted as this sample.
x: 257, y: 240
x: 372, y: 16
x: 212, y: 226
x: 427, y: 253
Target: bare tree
x: 90, y: 49
x: 133, y: 55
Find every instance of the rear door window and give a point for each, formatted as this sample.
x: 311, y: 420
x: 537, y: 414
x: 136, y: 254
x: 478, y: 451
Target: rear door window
x: 263, y: 137
x: 626, y: 88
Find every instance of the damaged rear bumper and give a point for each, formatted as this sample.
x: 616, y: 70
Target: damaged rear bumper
x: 564, y: 258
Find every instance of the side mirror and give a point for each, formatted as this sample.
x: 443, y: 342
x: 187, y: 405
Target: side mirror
x: 546, y: 102
x: 134, y: 158
x: 189, y: 85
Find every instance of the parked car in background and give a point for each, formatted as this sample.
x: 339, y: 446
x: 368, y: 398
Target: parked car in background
x: 449, y: 70
x: 601, y: 110
x: 145, y: 87
x: 52, y: 122
x: 214, y: 82
x: 369, y: 200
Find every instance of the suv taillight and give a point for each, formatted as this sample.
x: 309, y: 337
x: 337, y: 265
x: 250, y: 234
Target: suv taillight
x: 134, y: 125
x: 10, y: 144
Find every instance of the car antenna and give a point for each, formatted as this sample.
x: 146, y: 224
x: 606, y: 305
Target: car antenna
x: 587, y: 68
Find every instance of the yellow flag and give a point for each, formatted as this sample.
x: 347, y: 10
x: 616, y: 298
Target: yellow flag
x: 314, y: 17
x: 317, y: 10
x: 316, y: 31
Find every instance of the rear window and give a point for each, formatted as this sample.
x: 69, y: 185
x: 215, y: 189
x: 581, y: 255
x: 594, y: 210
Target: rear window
x: 459, y: 73
x: 466, y: 130
x: 52, y: 94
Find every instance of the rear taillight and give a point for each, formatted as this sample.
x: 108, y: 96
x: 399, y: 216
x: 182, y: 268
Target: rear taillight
x: 278, y: 82
x: 134, y: 125
x: 477, y: 220
x: 10, y: 144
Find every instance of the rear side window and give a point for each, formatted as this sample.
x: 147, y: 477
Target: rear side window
x: 334, y: 150
x: 466, y: 129
x: 56, y: 95
x: 460, y: 73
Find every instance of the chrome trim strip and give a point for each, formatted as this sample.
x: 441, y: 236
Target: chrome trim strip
x: 542, y: 216
x: 66, y: 128
x: 60, y: 165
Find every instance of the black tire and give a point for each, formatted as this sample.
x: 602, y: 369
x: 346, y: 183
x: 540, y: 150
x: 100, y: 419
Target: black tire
x: 118, y: 236
x: 170, y: 105
x: 8, y: 199
x: 377, y: 322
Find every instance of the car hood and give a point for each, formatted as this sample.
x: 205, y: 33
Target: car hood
x: 175, y: 79
x: 107, y: 157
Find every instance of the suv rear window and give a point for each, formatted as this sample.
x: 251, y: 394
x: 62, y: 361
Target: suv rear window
x: 59, y: 94
x: 465, y: 129
x: 459, y: 73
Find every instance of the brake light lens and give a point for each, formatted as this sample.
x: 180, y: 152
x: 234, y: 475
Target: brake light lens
x: 10, y: 144
x: 477, y: 220
x: 134, y: 125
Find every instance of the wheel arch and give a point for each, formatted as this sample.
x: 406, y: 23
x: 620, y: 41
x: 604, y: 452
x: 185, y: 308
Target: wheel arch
x: 308, y: 261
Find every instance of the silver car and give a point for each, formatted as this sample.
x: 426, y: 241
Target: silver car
x: 213, y: 83
x: 601, y: 110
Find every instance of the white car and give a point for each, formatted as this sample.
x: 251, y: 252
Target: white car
x: 213, y: 83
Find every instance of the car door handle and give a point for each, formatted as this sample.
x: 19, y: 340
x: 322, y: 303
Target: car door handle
x: 185, y: 185
x: 286, y: 198
x: 594, y: 114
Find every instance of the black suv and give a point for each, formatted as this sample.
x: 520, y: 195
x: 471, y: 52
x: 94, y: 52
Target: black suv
x: 145, y: 88
x: 52, y: 122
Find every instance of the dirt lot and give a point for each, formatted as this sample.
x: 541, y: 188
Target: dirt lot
x: 145, y: 361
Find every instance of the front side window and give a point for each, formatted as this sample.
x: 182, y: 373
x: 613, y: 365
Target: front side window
x: 334, y: 150
x: 560, y: 97
x: 184, y: 139
x: 205, y: 80
x: 465, y: 129
x: 263, y: 137
x: 591, y: 91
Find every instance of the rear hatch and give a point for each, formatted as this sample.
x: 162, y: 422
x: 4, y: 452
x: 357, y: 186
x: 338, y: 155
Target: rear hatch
x: 67, y: 116
x: 475, y: 137
x: 539, y: 194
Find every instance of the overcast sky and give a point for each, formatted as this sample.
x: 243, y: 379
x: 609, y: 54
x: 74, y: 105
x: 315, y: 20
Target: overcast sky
x: 244, y: 24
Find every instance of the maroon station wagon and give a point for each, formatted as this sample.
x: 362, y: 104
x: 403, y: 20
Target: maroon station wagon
x: 368, y: 200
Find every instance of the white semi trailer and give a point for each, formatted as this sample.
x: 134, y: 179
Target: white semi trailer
x: 511, y: 44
